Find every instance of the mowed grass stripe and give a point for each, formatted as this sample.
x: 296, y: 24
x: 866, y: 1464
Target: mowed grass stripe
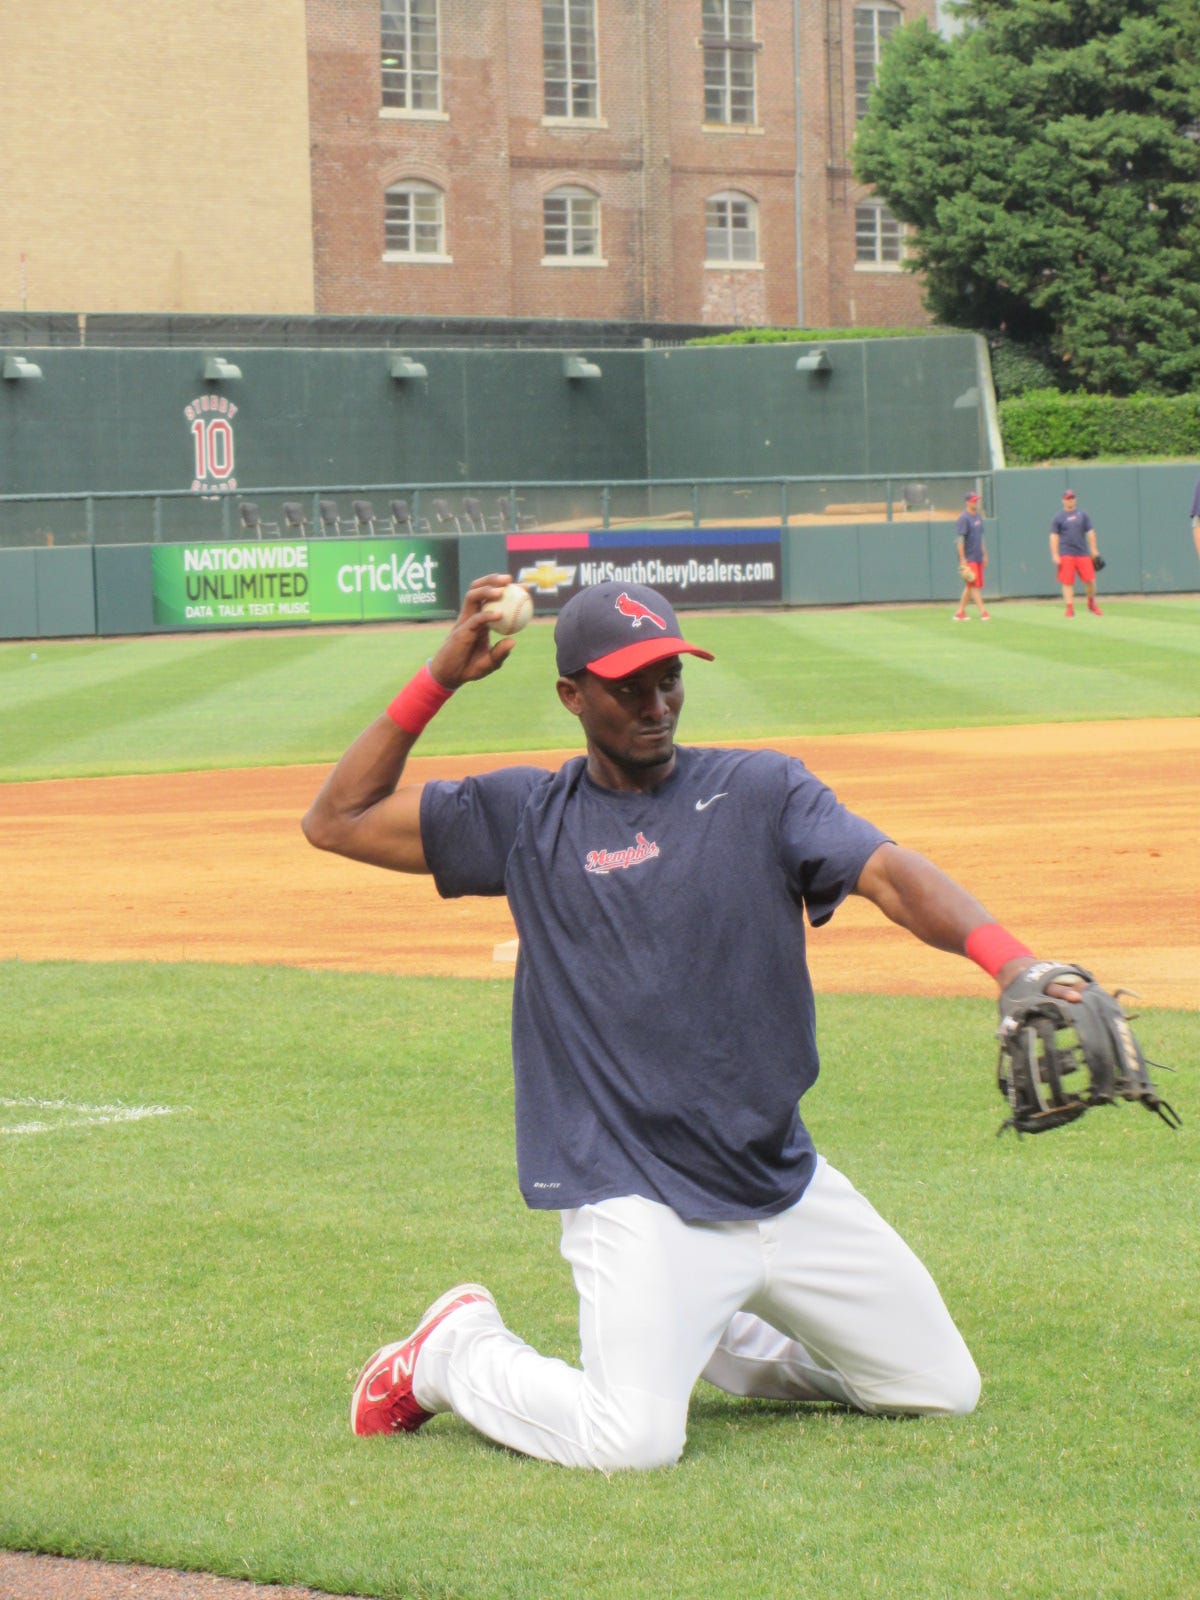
x: 171, y: 703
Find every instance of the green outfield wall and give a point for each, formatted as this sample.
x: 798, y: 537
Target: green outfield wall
x: 1141, y: 514
x: 109, y: 420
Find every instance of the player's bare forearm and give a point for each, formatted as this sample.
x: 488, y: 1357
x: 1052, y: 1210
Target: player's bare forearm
x: 914, y: 894
x: 363, y: 811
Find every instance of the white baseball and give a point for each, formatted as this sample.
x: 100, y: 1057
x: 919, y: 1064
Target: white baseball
x: 512, y: 611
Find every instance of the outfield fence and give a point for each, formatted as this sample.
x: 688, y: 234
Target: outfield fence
x: 186, y: 516
x: 142, y: 562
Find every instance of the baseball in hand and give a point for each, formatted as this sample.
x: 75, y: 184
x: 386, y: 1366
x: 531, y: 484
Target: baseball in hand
x: 511, y: 611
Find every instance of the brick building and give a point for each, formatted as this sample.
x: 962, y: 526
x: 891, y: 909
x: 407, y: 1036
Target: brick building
x: 633, y: 161
x: 649, y: 160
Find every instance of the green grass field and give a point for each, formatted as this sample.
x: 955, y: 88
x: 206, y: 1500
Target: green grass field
x: 177, y: 703
x: 221, y: 1188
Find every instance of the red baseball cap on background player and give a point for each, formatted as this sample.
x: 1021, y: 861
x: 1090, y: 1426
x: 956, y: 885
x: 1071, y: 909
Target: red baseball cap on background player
x: 614, y: 629
x: 973, y: 498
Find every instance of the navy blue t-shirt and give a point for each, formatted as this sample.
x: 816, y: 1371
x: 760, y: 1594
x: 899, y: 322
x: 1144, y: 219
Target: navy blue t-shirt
x: 663, y: 1025
x: 969, y: 529
x: 1072, y: 529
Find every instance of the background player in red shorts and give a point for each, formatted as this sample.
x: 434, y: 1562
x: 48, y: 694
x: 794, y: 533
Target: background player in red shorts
x: 1073, y: 549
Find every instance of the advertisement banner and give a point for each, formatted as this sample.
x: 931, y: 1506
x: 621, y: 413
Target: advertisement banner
x: 690, y: 566
x: 335, y: 580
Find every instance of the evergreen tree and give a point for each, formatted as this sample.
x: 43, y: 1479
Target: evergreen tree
x: 1049, y: 158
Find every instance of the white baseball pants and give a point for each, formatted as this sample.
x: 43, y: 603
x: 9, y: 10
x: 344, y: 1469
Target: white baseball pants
x: 824, y: 1302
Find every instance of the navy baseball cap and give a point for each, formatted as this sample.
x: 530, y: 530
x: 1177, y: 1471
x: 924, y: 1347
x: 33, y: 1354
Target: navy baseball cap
x: 614, y: 629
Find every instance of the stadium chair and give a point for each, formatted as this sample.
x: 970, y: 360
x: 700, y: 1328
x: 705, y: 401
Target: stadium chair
x: 331, y: 518
x: 403, y: 520
x: 509, y: 514
x: 444, y: 518
x: 472, y: 514
x: 252, y: 522
x: 295, y: 521
x: 364, y: 515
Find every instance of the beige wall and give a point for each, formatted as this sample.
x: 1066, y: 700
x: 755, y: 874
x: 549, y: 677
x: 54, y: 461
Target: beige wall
x: 154, y: 156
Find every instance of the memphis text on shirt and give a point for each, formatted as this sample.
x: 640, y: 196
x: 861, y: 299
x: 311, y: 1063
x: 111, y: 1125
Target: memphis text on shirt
x: 615, y: 860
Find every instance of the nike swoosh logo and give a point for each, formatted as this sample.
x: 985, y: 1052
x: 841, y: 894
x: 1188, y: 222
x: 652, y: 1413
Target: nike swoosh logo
x: 703, y: 805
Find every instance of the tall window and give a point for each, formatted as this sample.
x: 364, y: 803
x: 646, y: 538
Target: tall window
x: 571, y: 224
x: 873, y: 26
x: 729, y: 49
x: 730, y: 229
x: 414, y: 220
x: 571, y: 85
x: 878, y: 236
x: 408, y: 36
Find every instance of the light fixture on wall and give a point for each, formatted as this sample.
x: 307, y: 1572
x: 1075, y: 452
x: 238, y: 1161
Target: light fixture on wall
x: 814, y: 361
x: 218, y: 370
x: 578, y: 367
x: 404, y: 367
x: 21, y: 367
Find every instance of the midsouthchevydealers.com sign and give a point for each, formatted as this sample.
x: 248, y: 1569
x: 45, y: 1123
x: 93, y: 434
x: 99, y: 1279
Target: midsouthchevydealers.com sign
x: 344, y: 580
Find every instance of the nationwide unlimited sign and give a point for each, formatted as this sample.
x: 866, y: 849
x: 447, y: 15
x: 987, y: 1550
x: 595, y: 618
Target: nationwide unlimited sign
x: 304, y: 581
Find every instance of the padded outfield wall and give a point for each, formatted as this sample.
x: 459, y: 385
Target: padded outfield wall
x: 1141, y: 514
x: 132, y: 420
x: 147, y: 422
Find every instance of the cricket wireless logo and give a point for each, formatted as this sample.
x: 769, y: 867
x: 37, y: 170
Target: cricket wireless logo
x: 602, y: 861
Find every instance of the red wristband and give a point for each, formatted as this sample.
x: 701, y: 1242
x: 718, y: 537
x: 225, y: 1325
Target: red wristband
x: 421, y: 698
x: 990, y: 946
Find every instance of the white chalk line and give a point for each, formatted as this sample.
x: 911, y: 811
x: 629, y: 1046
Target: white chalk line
x: 77, y: 1115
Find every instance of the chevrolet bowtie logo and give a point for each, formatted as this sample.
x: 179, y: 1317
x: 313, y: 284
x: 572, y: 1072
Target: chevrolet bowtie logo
x: 547, y: 577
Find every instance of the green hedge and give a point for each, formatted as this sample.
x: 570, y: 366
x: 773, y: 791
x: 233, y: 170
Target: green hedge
x: 817, y: 335
x: 1045, y: 425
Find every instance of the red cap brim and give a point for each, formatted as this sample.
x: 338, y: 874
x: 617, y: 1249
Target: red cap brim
x: 633, y: 657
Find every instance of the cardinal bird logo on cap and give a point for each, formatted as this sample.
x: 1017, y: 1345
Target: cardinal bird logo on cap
x: 638, y: 612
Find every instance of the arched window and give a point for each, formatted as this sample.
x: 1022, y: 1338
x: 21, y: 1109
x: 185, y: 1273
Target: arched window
x: 874, y: 24
x: 878, y: 236
x: 571, y: 224
x: 730, y: 229
x: 414, y: 223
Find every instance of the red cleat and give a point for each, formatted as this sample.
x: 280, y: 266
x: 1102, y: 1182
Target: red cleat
x: 1070, y: 612
x: 1094, y: 609
x: 383, y: 1399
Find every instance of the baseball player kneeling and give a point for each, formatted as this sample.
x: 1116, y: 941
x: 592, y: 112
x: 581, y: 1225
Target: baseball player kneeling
x: 663, y: 1037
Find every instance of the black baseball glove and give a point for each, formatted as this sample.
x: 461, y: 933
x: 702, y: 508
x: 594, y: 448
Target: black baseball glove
x: 1099, y: 563
x: 1045, y: 1041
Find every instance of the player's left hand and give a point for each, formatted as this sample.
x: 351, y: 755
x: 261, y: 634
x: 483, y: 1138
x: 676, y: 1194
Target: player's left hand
x: 1055, y: 1020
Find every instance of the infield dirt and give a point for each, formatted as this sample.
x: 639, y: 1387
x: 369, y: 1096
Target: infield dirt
x: 1081, y: 838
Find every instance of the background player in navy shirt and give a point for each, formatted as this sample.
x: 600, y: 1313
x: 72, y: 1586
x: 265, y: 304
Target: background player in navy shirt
x: 1196, y: 515
x: 663, y: 1034
x: 972, y: 556
x: 1073, y: 549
